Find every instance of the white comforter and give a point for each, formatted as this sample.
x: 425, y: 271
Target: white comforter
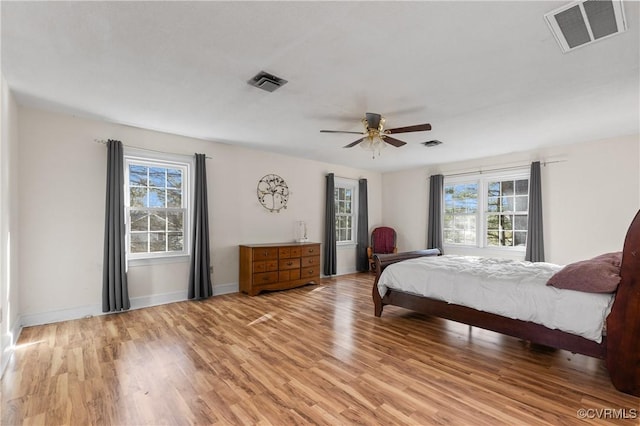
x: 509, y: 288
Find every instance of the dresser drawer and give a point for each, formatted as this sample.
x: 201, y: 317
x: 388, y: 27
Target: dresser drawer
x: 265, y: 253
x: 310, y: 272
x: 289, y: 275
x: 265, y: 278
x: 310, y: 261
x: 287, y: 252
x: 289, y: 264
x: 284, y: 252
x: 311, y: 251
x: 265, y: 266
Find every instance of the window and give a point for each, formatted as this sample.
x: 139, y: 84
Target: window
x: 460, y: 213
x: 346, y: 197
x: 156, y: 199
x: 486, y: 212
x: 506, y: 213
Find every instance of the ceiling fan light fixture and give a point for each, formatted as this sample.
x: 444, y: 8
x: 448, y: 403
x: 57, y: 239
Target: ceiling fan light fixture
x: 376, y: 137
x: 374, y: 144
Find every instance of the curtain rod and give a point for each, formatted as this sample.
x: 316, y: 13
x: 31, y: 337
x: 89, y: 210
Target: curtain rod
x: 347, y: 178
x: 500, y: 169
x: 103, y: 142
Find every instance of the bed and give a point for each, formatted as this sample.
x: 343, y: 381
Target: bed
x: 620, y: 347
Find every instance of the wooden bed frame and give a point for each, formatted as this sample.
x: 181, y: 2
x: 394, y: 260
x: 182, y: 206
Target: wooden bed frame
x: 620, y: 348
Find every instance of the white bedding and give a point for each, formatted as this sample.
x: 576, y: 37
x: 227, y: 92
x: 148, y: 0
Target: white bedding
x: 510, y: 288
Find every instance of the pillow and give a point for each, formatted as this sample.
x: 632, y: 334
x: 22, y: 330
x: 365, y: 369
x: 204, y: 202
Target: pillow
x: 598, y: 275
x: 614, y: 258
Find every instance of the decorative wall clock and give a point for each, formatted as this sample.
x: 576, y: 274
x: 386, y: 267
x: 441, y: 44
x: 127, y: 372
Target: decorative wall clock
x: 273, y: 193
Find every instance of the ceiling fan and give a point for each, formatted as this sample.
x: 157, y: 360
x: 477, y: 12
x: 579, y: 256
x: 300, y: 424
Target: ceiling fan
x: 375, y: 133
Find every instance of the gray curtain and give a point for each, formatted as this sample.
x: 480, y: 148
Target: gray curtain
x: 535, y: 240
x: 199, y: 276
x: 362, y: 261
x: 115, y: 291
x: 434, y: 226
x: 330, y: 256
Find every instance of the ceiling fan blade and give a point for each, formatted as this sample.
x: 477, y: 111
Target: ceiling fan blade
x: 352, y: 144
x: 373, y: 120
x: 416, y: 128
x: 340, y: 131
x: 393, y: 141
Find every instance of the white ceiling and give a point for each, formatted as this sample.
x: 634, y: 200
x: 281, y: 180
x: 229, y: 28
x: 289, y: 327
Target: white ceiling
x: 488, y: 76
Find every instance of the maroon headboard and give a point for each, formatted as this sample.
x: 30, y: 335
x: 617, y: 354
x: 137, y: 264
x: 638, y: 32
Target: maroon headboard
x: 623, y: 323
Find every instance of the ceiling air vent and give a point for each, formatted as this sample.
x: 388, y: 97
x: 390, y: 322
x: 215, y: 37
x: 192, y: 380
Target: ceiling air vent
x: 434, y: 142
x: 266, y: 81
x: 584, y: 22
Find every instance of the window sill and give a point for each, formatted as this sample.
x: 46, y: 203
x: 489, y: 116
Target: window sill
x: 465, y: 247
x: 504, y: 252
x: 147, y: 261
x: 345, y: 245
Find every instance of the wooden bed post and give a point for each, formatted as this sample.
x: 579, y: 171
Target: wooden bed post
x: 377, y: 300
x: 623, y: 323
x: 382, y: 261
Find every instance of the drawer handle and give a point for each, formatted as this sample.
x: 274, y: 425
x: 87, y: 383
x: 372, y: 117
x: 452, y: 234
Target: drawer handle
x: 266, y: 253
x: 310, y: 261
x: 310, y: 272
x: 289, y: 263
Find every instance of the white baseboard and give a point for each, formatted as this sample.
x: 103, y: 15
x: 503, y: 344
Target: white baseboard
x: 228, y: 288
x: 28, y: 320
x: 158, y: 299
x: 40, y: 318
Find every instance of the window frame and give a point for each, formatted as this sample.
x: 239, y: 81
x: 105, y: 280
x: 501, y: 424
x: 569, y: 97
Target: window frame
x: 186, y: 164
x: 463, y: 181
x: 353, y: 186
x: 514, y: 213
x: 482, y: 180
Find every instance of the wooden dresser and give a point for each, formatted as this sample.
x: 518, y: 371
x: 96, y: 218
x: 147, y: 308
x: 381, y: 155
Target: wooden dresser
x: 278, y: 266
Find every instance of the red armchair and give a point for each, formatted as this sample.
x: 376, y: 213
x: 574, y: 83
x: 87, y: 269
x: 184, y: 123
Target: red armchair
x: 383, y: 241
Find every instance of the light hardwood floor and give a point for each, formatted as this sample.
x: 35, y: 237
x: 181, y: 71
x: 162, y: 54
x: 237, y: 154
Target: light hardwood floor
x: 312, y: 355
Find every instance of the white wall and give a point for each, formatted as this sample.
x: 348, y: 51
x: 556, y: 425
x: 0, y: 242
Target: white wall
x: 61, y: 175
x: 62, y: 183
x: 9, y: 321
x: 589, y: 198
x: 404, y: 208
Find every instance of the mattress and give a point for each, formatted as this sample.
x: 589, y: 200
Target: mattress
x: 510, y: 288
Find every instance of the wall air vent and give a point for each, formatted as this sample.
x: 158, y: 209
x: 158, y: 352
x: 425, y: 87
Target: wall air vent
x: 266, y: 81
x: 583, y: 22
